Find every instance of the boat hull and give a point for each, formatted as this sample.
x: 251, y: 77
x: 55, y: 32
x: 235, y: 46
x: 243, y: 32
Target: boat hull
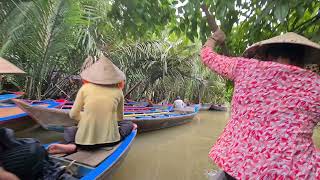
x: 57, y: 120
x: 104, y: 169
x: 15, y: 118
x: 145, y: 125
x: 19, y: 123
x: 114, y: 168
x: 218, y: 108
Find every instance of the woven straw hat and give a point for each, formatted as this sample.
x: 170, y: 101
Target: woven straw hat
x: 287, y: 38
x: 7, y: 67
x: 102, y: 72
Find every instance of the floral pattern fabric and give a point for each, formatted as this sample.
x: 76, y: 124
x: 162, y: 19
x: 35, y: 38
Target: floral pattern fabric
x: 275, y: 108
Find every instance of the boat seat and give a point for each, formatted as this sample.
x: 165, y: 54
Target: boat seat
x: 92, y: 158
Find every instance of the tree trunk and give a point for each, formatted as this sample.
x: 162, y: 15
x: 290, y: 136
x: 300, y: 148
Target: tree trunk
x: 213, y: 25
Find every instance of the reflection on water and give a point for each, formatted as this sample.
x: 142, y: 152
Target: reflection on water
x: 177, y: 153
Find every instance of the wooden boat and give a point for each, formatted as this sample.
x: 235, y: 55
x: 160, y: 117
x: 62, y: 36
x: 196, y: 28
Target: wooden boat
x: 49, y: 118
x: 128, y: 109
x: 15, y: 118
x: 218, y: 107
x: 144, y: 112
x: 205, y: 107
x: 101, y: 163
x: 159, y: 121
x: 57, y: 119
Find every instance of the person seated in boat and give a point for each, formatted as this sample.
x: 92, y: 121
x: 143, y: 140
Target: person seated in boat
x: 101, y: 121
x: 178, y: 103
x: 275, y: 109
x: 26, y: 158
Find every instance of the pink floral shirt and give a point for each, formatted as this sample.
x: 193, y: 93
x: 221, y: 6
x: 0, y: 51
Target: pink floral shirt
x: 275, y: 108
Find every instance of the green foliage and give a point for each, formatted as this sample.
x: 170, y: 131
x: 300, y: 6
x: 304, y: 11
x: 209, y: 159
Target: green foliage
x: 156, y: 43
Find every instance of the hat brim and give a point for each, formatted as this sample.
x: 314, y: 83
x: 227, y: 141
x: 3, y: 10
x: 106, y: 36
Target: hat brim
x: 103, y: 72
x: 312, y: 50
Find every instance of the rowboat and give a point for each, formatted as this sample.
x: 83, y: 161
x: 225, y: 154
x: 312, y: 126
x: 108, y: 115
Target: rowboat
x: 159, y: 121
x: 101, y: 163
x: 216, y: 107
x: 205, y: 107
x: 15, y: 118
x: 129, y: 109
x: 57, y: 119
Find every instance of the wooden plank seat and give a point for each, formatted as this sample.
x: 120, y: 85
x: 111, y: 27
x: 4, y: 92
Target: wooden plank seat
x: 90, y: 158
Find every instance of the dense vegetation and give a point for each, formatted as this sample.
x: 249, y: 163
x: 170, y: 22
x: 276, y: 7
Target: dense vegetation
x: 156, y: 43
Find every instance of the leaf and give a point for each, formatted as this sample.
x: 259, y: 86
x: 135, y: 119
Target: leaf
x: 175, y: 2
x: 281, y: 10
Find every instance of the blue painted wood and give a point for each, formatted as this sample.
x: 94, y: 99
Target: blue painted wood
x: 107, y: 165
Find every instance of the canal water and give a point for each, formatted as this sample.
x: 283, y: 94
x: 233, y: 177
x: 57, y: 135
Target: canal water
x: 177, y: 153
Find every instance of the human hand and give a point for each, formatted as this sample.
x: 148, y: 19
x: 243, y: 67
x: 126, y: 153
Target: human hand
x: 218, y: 36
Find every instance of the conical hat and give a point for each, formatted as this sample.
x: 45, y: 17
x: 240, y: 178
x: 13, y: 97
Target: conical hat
x: 7, y: 67
x: 287, y: 38
x: 103, y: 72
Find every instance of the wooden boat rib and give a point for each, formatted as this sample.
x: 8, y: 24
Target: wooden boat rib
x: 98, y: 164
x: 15, y: 118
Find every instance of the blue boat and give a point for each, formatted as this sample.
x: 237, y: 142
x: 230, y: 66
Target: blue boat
x: 58, y: 119
x: 97, y: 164
x: 159, y: 121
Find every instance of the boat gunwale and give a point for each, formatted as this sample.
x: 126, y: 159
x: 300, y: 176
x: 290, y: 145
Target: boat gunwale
x: 51, y: 104
x: 162, y: 118
x: 104, y: 167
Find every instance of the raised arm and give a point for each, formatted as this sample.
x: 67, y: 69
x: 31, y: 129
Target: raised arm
x: 222, y: 65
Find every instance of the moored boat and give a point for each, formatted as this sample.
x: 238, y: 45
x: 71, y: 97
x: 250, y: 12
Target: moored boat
x: 49, y: 118
x: 57, y: 119
x: 101, y: 163
x: 15, y: 118
x: 129, y: 109
x: 218, y: 107
x: 159, y: 121
x: 204, y: 107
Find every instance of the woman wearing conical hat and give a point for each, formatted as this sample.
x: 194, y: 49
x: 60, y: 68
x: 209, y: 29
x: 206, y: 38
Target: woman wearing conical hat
x: 99, y: 109
x: 275, y: 107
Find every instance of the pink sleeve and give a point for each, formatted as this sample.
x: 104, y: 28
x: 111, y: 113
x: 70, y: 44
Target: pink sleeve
x: 223, y: 65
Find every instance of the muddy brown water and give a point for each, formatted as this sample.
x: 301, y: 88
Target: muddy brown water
x: 177, y: 153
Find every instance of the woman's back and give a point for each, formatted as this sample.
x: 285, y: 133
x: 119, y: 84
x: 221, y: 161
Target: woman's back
x: 274, y: 110
x: 102, y: 108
